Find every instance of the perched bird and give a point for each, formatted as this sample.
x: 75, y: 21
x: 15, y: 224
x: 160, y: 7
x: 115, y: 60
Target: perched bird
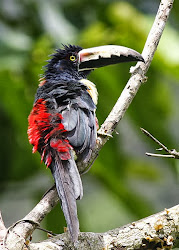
x: 62, y: 123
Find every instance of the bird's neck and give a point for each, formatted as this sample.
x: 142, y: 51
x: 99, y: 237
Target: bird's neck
x: 92, y: 90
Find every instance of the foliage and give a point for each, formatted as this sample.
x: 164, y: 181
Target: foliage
x: 122, y: 180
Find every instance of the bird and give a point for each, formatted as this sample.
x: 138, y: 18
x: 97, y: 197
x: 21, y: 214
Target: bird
x: 62, y: 125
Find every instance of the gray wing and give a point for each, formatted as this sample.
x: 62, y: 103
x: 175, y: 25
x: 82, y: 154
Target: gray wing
x: 80, y: 124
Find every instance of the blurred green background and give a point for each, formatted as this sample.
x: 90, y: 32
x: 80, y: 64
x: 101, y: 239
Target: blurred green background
x: 123, y: 185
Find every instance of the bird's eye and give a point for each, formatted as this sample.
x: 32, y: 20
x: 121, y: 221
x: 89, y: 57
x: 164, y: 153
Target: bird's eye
x: 72, y: 58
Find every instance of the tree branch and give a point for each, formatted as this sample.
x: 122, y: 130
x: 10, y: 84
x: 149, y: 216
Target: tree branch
x: 159, y: 231
x: 171, y: 153
x: 17, y: 234
x: 138, y: 72
x: 15, y: 238
x: 137, y: 78
x: 3, y: 230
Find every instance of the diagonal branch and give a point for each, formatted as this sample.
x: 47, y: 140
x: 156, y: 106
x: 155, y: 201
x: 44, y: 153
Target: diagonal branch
x: 137, y: 78
x: 16, y: 235
x: 138, y: 72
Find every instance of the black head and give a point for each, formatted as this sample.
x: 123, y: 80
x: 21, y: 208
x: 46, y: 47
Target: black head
x: 73, y: 62
x: 64, y: 64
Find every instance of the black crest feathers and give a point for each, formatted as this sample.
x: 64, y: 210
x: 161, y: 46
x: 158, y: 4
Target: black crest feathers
x: 63, y: 53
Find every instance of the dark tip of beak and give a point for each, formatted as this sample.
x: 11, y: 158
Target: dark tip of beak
x: 141, y: 59
x: 129, y: 58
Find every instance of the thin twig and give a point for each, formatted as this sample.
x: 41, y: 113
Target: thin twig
x: 160, y: 155
x: 171, y: 153
x: 46, y: 231
x: 154, y: 139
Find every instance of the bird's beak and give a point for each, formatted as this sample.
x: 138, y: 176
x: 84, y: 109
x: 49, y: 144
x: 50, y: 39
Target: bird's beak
x: 105, y: 55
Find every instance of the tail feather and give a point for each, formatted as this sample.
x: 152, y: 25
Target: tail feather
x: 69, y: 188
x: 75, y: 180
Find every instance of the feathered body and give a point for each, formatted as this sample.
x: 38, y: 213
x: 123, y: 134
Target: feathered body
x: 62, y: 123
x: 62, y: 127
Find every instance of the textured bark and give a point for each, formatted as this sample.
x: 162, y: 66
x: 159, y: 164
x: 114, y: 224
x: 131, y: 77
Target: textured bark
x: 159, y: 231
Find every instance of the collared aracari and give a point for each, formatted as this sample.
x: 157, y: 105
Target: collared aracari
x: 62, y: 124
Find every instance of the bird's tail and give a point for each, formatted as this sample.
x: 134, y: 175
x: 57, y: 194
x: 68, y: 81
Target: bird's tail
x: 69, y: 188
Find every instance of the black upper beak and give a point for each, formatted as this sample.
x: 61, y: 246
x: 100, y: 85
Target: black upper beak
x: 105, y: 55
